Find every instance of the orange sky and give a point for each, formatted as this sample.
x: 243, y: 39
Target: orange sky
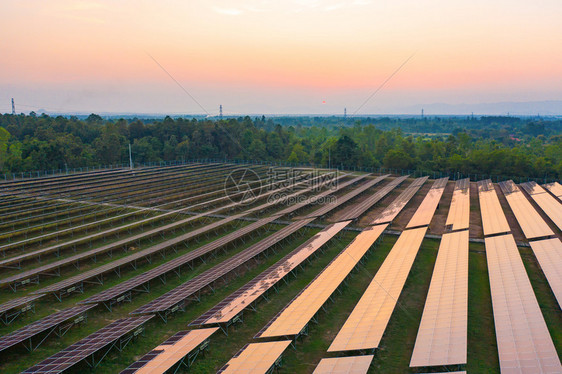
x: 276, y: 56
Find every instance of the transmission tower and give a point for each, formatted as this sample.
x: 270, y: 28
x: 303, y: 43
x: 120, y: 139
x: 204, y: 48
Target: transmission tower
x: 220, y: 111
x: 13, y: 107
x: 344, y: 113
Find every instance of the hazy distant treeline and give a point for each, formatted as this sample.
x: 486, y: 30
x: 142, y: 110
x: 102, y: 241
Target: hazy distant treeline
x: 488, y: 145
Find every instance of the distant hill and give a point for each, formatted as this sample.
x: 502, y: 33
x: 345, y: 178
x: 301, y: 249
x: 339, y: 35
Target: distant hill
x: 526, y: 108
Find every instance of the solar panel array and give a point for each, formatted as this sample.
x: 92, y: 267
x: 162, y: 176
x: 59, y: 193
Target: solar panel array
x: 493, y: 218
x: 256, y: 358
x: 459, y: 211
x: 365, y: 326
x: 531, y: 222
x: 297, y: 314
x: 179, y: 294
x: 358, y: 209
x: 442, y: 335
x: 116, y: 291
x: 524, y: 343
x: 88, y: 346
x: 134, y: 282
x: 344, y: 365
x: 41, y: 326
x: 399, y: 203
x: 139, y: 255
x: 326, y: 208
x: 548, y: 203
x: 555, y: 188
x: 171, y: 352
x: 235, y: 303
x: 425, y: 211
x: 549, y: 254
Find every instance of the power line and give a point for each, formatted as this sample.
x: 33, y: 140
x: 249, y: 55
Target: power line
x: 383, y: 83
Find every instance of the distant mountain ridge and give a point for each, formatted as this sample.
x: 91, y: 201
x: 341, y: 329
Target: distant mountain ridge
x: 524, y: 108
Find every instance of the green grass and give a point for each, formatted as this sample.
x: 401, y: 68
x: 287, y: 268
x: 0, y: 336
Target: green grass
x: 482, y: 349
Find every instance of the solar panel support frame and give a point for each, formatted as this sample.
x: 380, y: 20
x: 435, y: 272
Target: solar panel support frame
x: 59, y: 331
x: 9, y: 317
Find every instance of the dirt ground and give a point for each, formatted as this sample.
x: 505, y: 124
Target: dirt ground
x: 511, y: 220
x: 475, y: 220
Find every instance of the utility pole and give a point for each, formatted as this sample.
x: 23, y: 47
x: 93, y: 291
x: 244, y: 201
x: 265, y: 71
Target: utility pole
x: 13, y: 107
x: 130, y: 157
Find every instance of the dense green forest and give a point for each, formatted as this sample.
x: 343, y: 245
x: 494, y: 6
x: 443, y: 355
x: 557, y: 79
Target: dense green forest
x: 503, y: 146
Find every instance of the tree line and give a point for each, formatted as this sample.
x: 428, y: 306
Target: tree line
x: 504, y: 146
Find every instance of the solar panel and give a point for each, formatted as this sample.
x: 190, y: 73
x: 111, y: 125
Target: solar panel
x: 549, y: 253
x: 178, y: 295
x: 344, y: 365
x: 366, y: 324
x: 256, y: 358
x: 548, y: 203
x: 493, y: 218
x: 459, y: 211
x: 387, y: 215
x: 108, y: 336
x: 555, y: 188
x: 235, y: 303
x: 356, y: 210
x: 531, y: 222
x: 10, y: 310
x: 182, y: 345
x: 442, y: 335
x: 296, y: 315
x: 524, y: 343
x: 427, y: 208
x: 46, y: 325
x: 46, y: 269
x: 137, y: 281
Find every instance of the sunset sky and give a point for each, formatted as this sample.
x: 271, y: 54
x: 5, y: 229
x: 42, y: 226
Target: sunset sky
x: 276, y: 56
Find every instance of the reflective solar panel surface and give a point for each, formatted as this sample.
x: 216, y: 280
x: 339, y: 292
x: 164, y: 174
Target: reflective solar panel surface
x: 256, y: 358
x: 344, y: 365
x: 425, y: 211
x: 493, y: 218
x: 170, y: 352
x: 80, y: 350
x: 459, y: 211
x: 297, y: 314
x: 524, y: 343
x: 365, y: 326
x: 547, y: 202
x: 555, y: 188
x: 531, y: 222
x: 399, y: 203
x: 549, y: 254
x: 442, y: 335
x: 42, y: 325
x: 235, y: 303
